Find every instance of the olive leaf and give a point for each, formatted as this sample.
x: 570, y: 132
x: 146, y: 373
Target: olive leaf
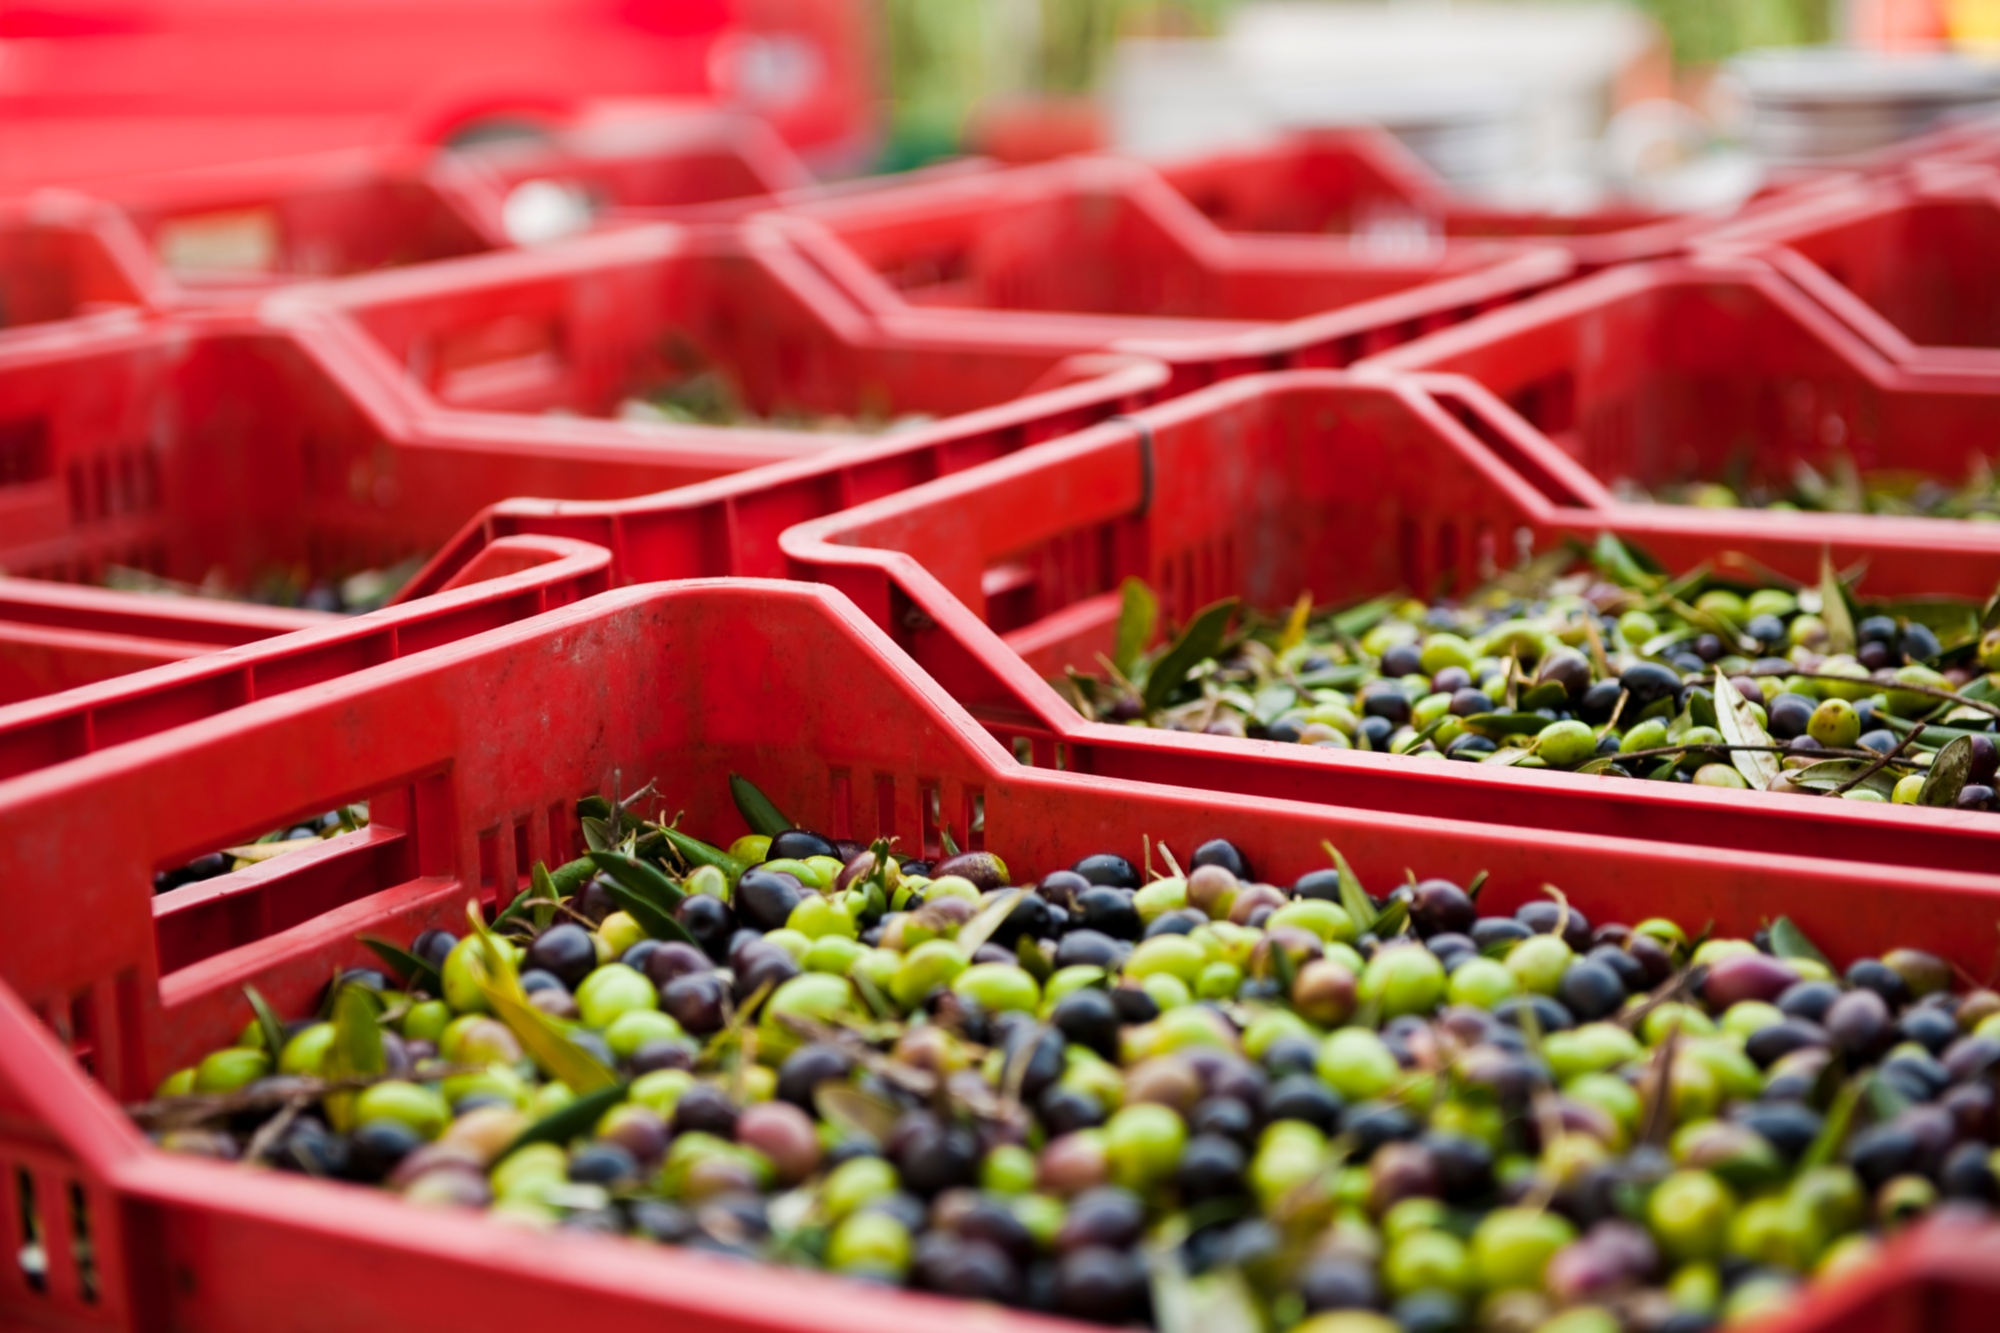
x: 1599, y: 766
x: 1829, y: 774
x: 757, y: 809
x: 597, y: 834
x: 1548, y: 694
x: 1840, y: 635
x: 980, y: 929
x: 1478, y: 883
x: 1788, y: 941
x: 578, y: 1117
x: 540, y: 1035
x: 642, y: 878
x: 1885, y: 1103
x: 1505, y: 724
x: 1201, y: 640
x: 1138, y: 621
x: 593, y: 807
x: 1033, y: 961
x: 657, y: 924
x: 414, y: 971
x: 1740, y: 727
x: 1294, y: 632
x: 698, y: 853
x: 1948, y: 774
x: 855, y: 1112
x: 1389, y: 922
x: 1353, y: 897
x: 1283, y: 969
x: 1358, y: 620
x: 1219, y: 1301
x: 1619, y: 565
x: 356, y: 1050
x: 1510, y: 756
x: 267, y: 1022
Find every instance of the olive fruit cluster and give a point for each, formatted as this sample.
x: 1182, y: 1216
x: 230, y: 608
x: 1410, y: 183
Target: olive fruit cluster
x: 1105, y: 1090
x: 1588, y: 674
x: 1848, y: 491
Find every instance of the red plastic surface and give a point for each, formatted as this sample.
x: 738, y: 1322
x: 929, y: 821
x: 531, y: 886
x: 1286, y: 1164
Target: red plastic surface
x: 998, y: 577
x: 240, y: 230
x: 471, y: 758
x: 1912, y: 263
x: 541, y: 344
x: 1091, y: 251
x: 222, y: 444
x: 1684, y: 370
x: 1363, y: 182
x: 64, y: 259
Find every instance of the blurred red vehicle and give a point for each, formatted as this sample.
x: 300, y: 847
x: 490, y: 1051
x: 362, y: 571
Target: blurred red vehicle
x: 95, y: 88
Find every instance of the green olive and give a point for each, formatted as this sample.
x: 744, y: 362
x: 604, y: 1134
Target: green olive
x: 1142, y: 1145
x: 1538, y: 963
x: 230, y: 1068
x: 1355, y: 1063
x: 1512, y: 1246
x: 421, y: 1108
x: 998, y: 987
x: 1403, y: 979
x: 612, y: 990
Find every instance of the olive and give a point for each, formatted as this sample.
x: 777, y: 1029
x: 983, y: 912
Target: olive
x: 1088, y: 1018
x: 1067, y: 1110
x: 565, y: 951
x: 1808, y: 1000
x: 1108, y: 870
x: 1181, y: 922
x: 797, y: 844
x: 1876, y: 629
x: 1224, y: 854
x: 1882, y: 741
x: 1881, y: 1152
x: 376, y: 1146
x: 1971, y: 1057
x: 1438, y: 905
x: 1920, y: 1077
x: 1134, y: 1005
x: 809, y: 1066
x: 1885, y: 981
x: 1985, y: 761
x: 1790, y: 715
x: 1591, y: 990
x: 535, y: 979
x: 1488, y: 931
x: 1470, y: 702
x: 1551, y: 1014
x: 1102, y: 1285
x: 1372, y: 1124
x: 1569, y: 669
x: 1429, y: 1311
x: 1972, y: 796
x: 1968, y: 1174
x: 1450, y: 680
x: 1376, y: 729
x: 1330, y: 1282
x: 1084, y: 947
x: 1630, y: 971
x: 709, y: 920
x: 1648, y: 683
x: 1464, y: 1167
x: 1469, y: 748
x: 1104, y: 1218
x: 1768, y: 1045
x: 1403, y: 659
x: 669, y: 959
x: 433, y: 945
x: 1747, y: 976
x: 1293, y: 1053
x: 1787, y: 1126
x: 1061, y: 887
x: 1599, y: 702
x: 1542, y: 917
x: 310, y: 1148
x: 760, y: 967
x: 1303, y: 1097
x: 933, y: 1158
x: 602, y: 1163
x: 1109, y: 911
x: 1211, y: 1167
x: 971, y: 1269
x: 1224, y: 1116
x: 698, y: 1003
x: 766, y: 898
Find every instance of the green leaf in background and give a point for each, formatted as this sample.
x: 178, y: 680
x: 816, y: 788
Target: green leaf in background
x: 1615, y: 561
x: 1353, y: 898
x: 1839, y: 618
x: 267, y: 1022
x: 1356, y: 621
x: 1138, y: 620
x: 1201, y: 640
x: 567, y: 1122
x: 1788, y: 941
x: 414, y: 971
x: 356, y: 1051
x: 756, y: 808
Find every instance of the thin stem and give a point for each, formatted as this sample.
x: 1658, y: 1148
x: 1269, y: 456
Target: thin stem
x: 1878, y: 765
x: 1929, y: 691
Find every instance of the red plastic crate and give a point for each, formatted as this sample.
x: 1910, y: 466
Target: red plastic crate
x: 1092, y: 251
x: 232, y: 232
x: 56, y: 637
x: 1350, y: 487
x: 222, y: 443
x: 468, y: 787
x: 1911, y: 262
x: 711, y: 166
x: 1671, y: 372
x: 1363, y: 182
x: 65, y: 259
x: 546, y: 343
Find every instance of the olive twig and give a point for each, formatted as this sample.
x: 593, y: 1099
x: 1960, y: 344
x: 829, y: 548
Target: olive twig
x: 1879, y: 764
x: 194, y: 1108
x: 1721, y: 747
x: 1905, y: 687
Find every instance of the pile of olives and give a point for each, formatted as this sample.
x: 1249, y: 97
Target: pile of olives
x: 1113, y: 1090
x: 278, y: 842
x: 1582, y: 673
x: 1841, y: 489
